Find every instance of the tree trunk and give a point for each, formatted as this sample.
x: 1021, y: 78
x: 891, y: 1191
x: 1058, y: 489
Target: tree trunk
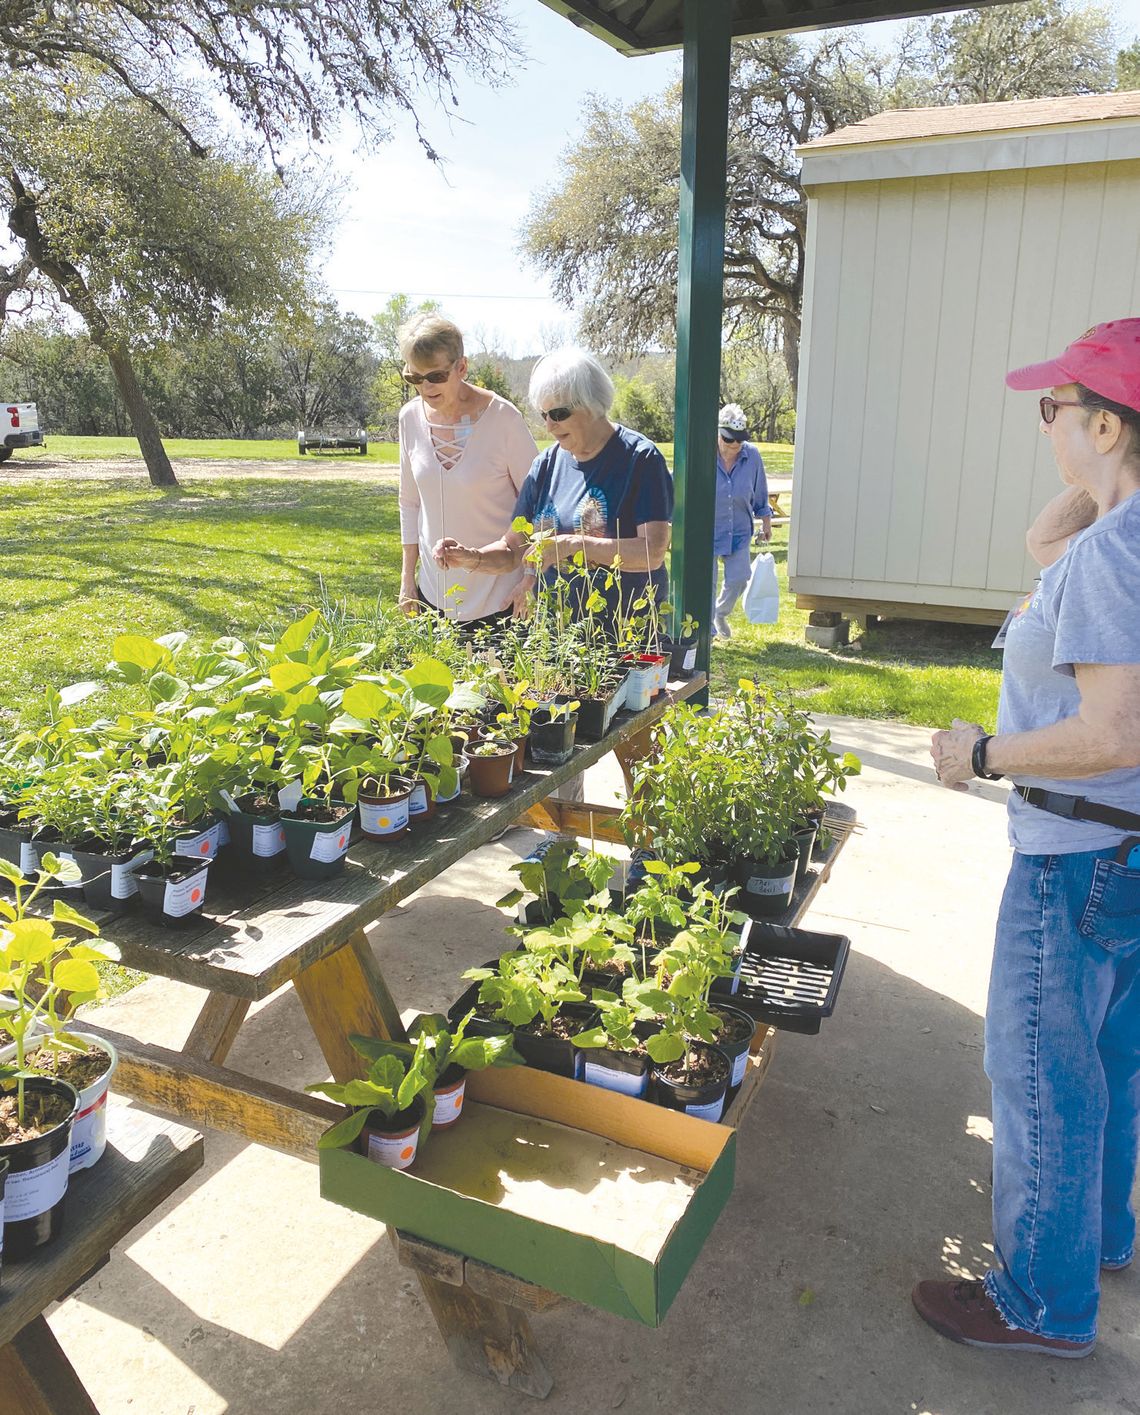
x: 142, y: 419
x: 791, y: 352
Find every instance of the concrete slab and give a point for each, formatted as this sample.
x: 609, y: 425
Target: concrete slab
x: 863, y: 1165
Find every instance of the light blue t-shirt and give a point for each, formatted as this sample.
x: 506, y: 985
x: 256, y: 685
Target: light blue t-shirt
x: 1085, y: 609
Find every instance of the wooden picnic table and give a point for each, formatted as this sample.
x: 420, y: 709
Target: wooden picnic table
x: 146, y: 1160
x: 312, y: 934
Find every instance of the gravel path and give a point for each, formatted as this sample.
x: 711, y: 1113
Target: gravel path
x: 23, y: 470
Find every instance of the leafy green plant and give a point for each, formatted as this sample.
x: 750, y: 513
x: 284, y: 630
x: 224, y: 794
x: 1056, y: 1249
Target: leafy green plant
x: 44, y: 975
x: 390, y: 1086
x: 564, y: 879
x: 616, y: 1029
x: 528, y: 984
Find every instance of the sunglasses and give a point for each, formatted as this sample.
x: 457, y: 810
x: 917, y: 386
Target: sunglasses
x: 437, y: 375
x: 1049, y: 408
x: 731, y: 435
x: 555, y: 415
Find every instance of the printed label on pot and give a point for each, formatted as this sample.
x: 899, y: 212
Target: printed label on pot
x: 1, y: 1228
x: 448, y: 1104
x: 712, y: 1110
x: 268, y: 840
x: 330, y: 845
x: 396, y: 1151
x: 203, y: 846
x: 689, y: 662
x: 183, y: 896
x: 627, y: 1083
x: 68, y: 883
x: 739, y: 1067
x: 418, y: 801
x: 33, y: 1191
x: 123, y: 882
x: 762, y: 884
x: 384, y: 819
x: 29, y: 860
x: 89, y: 1134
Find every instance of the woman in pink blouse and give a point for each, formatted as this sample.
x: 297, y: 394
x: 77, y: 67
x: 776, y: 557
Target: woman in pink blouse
x: 464, y: 455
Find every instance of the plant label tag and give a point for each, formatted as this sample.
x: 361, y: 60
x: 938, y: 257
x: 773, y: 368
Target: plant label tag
x: 183, y: 896
x: 330, y: 845
x: 268, y: 840
x: 289, y: 797
x: 203, y: 846
x: 387, y: 819
x: 33, y: 1191
x: 739, y: 1067
x: 395, y: 1151
x: 418, y: 801
x: 448, y: 1104
x: 68, y: 883
x: 228, y: 801
x: 689, y: 662
x: 763, y: 884
x: 123, y: 882
x: 29, y: 860
x: 712, y: 1110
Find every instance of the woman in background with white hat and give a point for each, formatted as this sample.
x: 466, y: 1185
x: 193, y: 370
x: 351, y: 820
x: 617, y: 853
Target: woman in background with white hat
x: 741, y: 501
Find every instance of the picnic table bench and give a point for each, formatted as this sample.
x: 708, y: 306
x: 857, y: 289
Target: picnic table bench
x: 313, y: 936
x: 146, y: 1160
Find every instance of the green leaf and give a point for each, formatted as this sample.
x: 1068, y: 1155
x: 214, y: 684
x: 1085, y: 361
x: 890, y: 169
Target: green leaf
x: 63, y: 913
x: 294, y: 637
x: 665, y: 1047
x: 287, y: 676
x: 73, y: 975
x: 345, y: 1132
x: 367, y: 702
x: 138, y: 656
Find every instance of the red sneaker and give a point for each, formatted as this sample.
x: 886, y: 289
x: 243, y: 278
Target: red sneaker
x: 965, y: 1312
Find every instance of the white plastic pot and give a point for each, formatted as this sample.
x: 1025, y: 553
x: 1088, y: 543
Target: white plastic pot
x: 89, y: 1131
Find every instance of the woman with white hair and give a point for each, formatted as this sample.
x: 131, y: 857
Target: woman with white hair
x: 601, y: 489
x: 464, y: 456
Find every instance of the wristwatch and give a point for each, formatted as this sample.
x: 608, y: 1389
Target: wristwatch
x: 978, y: 761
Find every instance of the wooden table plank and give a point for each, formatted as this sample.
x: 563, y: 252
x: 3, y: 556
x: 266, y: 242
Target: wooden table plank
x: 146, y: 1161
x: 251, y: 944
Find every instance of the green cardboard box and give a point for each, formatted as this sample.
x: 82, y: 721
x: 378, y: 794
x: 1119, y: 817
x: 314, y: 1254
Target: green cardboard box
x: 591, y: 1194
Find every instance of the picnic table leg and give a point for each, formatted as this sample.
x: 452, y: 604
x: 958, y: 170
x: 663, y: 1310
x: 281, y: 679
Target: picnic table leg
x: 37, y: 1378
x: 216, y: 1027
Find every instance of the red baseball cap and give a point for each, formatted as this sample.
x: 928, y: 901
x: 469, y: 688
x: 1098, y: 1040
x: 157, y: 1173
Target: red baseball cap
x: 1105, y: 359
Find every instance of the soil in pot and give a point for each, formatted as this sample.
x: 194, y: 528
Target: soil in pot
x: 89, y: 1072
x: 493, y: 774
x: 393, y: 1142
x: 448, y: 1092
x: 317, y: 837
x: 596, y: 714
x: 38, y: 1152
x: 702, y: 1091
x: 386, y: 810
x: 173, y: 895
x: 624, y: 1071
x: 551, y: 740
x: 733, y: 1039
x: 766, y: 890
x: 550, y: 1049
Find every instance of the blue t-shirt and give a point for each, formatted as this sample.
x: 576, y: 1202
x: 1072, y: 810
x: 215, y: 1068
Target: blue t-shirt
x: 741, y: 496
x: 623, y: 487
x: 1086, y: 609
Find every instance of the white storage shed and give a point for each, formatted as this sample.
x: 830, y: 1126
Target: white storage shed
x: 945, y: 246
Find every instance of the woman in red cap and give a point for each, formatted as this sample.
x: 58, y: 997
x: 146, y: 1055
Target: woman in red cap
x: 1063, y: 1015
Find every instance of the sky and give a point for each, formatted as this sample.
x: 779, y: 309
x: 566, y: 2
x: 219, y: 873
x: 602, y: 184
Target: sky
x: 450, y: 233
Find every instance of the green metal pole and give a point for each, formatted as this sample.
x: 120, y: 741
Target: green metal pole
x: 700, y: 304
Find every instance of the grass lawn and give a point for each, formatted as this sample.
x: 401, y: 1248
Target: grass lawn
x: 86, y: 560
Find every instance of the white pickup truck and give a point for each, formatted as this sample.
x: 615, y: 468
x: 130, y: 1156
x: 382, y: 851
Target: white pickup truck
x: 19, y: 427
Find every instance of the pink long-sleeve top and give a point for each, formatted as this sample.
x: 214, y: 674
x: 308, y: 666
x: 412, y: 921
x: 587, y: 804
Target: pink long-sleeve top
x: 473, y: 500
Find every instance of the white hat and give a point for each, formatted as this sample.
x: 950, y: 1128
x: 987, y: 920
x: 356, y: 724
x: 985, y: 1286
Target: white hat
x: 732, y: 419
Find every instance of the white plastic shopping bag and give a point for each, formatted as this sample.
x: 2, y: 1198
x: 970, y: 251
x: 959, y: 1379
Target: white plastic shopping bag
x: 762, y: 597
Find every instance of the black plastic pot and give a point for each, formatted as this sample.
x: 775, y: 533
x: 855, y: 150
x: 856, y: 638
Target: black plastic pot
x: 626, y: 1072
x: 706, y: 1102
x: 478, y: 1026
x: 173, y: 895
x: 3, y: 1181
x: 683, y: 656
x: 551, y: 740
x: 15, y: 841
x: 318, y: 849
x: 595, y: 715
x: 766, y: 890
x: 735, y: 1050
x: 557, y: 1054
x: 257, y: 839
x: 102, y: 876
x: 48, y: 842
x: 805, y: 843
x: 37, y: 1176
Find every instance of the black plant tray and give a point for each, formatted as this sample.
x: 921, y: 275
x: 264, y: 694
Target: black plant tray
x: 790, y: 977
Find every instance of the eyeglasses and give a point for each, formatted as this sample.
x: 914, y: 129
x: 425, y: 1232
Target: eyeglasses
x: 437, y: 375
x: 555, y: 415
x: 1049, y: 408
x: 731, y: 435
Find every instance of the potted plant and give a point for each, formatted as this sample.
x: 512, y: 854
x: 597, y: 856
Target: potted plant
x: 616, y: 1056
x: 535, y: 991
x: 491, y: 764
x: 44, y: 977
x: 562, y: 879
x: 551, y: 739
x: 388, y: 1107
x: 317, y: 823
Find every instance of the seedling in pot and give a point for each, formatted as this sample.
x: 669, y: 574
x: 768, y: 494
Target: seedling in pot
x: 391, y: 1086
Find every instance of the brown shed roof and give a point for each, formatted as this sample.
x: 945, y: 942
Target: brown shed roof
x: 901, y: 124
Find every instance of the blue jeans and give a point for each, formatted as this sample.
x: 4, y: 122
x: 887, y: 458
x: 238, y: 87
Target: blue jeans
x: 737, y: 568
x: 1063, y: 1057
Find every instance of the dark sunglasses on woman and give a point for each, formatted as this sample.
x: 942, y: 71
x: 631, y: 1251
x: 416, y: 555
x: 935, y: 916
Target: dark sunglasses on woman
x: 437, y: 375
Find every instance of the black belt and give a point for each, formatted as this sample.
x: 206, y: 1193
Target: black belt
x: 1078, y: 808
